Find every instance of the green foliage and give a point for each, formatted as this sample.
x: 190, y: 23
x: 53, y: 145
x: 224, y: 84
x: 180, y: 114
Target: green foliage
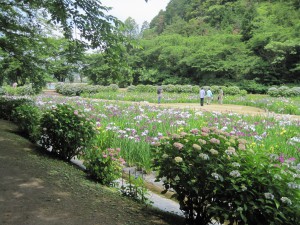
x: 27, y: 117
x: 284, y: 91
x: 131, y: 88
x: 102, y: 162
x: 78, y: 89
x: 145, y: 88
x: 66, y: 131
x: 295, y: 91
x: 135, y: 188
x: 253, y: 87
x: 26, y: 90
x: 231, y: 90
x: 10, y: 90
x: 9, y: 104
x: 106, y: 69
x: 103, y: 165
x: 198, y: 41
x: 214, y: 176
x: 70, y: 89
x: 29, y: 50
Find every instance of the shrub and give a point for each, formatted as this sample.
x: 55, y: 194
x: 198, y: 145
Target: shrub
x: 70, y: 89
x: 9, y: 104
x: 27, y: 117
x: 103, y: 165
x: 102, y: 162
x: 131, y: 88
x: 21, y: 90
x: 284, y: 91
x: 10, y: 90
x: 169, y: 88
x: 215, y: 177
x: 231, y: 90
x: 113, y: 87
x: 253, y: 87
x: 145, y: 88
x: 2, y: 92
x: 273, y: 91
x: 78, y: 89
x: 66, y: 132
x: 215, y: 89
x: 243, y: 92
x: 295, y: 91
x: 59, y: 86
x: 25, y: 90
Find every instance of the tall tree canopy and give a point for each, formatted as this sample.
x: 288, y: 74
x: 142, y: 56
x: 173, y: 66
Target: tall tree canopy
x: 87, y: 17
x: 194, y: 40
x: 23, y: 34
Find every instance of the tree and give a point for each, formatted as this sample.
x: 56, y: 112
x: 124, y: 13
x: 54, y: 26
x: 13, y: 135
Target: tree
x: 22, y: 37
x: 130, y: 29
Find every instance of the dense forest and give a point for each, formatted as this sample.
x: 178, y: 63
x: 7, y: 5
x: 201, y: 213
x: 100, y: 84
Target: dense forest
x: 241, y: 42
x: 209, y: 41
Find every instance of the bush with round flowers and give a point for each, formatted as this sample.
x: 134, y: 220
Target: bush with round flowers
x: 217, y: 177
x: 66, y: 131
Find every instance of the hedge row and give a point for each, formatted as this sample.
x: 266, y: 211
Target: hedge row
x: 21, y: 90
x: 284, y: 91
x: 232, y: 90
x: 77, y: 89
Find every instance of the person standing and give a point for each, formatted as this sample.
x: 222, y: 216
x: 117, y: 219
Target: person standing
x: 209, y: 96
x: 159, y: 94
x: 220, y: 96
x: 202, y: 95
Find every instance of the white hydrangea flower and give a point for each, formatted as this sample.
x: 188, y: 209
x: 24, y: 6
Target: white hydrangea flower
x: 235, y: 173
x: 286, y: 200
x: 269, y: 195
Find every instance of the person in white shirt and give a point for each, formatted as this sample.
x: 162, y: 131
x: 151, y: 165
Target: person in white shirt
x: 209, y: 96
x: 202, y: 95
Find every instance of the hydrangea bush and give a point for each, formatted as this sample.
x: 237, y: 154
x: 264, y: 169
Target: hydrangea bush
x: 9, y: 104
x: 102, y: 162
x: 27, y: 116
x: 66, y: 131
x: 215, y: 177
x: 284, y: 91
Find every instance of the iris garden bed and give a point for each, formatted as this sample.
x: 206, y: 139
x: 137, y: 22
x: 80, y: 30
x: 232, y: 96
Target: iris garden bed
x: 267, y: 147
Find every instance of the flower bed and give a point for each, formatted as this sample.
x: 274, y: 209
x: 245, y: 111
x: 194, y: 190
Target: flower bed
x: 135, y: 128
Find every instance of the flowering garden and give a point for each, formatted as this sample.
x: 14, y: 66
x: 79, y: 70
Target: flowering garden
x: 235, y: 168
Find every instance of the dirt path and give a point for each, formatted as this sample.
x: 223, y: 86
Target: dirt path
x: 224, y: 108
x: 38, y: 190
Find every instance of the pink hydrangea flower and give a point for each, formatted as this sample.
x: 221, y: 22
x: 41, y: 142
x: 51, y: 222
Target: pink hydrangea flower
x: 178, y: 145
x: 242, y: 147
x: 214, y: 141
x: 205, y: 129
